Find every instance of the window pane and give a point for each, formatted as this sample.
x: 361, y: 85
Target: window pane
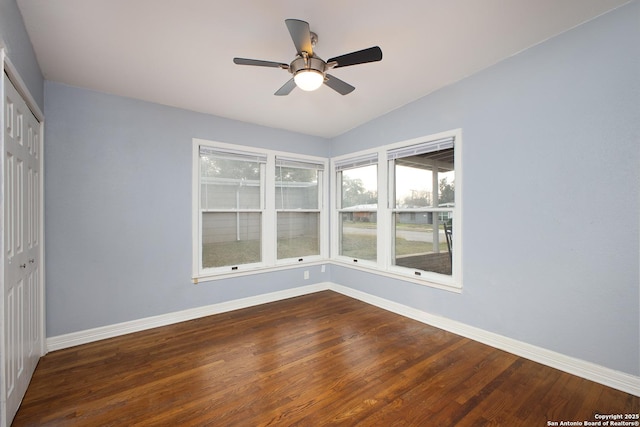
x: 229, y: 184
x: 360, y: 187
x: 414, y: 180
x: 420, y: 245
x: 414, y: 187
x: 446, y: 186
x: 230, y: 238
x: 298, y: 234
x: 296, y: 188
x: 358, y: 235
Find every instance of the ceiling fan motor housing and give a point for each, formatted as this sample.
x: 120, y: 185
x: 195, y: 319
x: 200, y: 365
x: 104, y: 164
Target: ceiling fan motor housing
x: 314, y: 64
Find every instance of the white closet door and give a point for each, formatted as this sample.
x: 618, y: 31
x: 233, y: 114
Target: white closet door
x: 22, y: 322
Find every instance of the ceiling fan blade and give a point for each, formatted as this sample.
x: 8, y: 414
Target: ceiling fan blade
x: 363, y: 56
x: 300, y: 34
x: 286, y: 88
x: 343, y: 88
x: 259, y: 63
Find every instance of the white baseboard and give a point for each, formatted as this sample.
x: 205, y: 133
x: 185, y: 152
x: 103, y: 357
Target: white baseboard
x: 591, y: 371
x: 90, y: 335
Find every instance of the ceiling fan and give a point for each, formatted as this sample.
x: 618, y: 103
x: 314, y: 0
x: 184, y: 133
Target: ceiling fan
x: 309, y: 70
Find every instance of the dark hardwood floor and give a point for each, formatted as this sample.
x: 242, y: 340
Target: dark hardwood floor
x: 320, y: 359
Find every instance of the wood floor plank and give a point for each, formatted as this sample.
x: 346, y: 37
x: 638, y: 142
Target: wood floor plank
x: 319, y: 359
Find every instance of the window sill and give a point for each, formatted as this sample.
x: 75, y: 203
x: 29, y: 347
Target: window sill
x: 432, y: 280
x: 256, y: 269
x: 435, y: 281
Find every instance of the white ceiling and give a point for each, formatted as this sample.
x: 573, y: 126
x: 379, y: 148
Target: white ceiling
x: 179, y: 53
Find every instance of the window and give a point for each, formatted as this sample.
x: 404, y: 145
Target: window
x: 231, y: 207
x: 255, y: 209
x: 298, y: 199
x: 357, y: 203
x: 397, y: 209
x: 422, y: 201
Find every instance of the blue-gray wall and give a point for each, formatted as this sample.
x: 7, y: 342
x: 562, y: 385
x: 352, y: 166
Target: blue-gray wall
x: 19, y: 48
x: 551, y: 161
x: 118, y: 208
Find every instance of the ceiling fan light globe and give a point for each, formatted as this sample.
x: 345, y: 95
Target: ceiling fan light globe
x: 308, y: 80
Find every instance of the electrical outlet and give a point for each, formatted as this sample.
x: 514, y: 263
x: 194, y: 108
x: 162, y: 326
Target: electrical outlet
x: 323, y: 268
x: 306, y: 274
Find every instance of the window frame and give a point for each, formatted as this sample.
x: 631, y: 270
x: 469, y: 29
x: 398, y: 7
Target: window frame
x: 339, y: 165
x: 322, y: 186
x: 386, y: 209
x: 244, y: 156
x: 268, y: 211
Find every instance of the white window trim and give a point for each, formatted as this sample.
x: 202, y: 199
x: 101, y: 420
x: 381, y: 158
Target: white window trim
x: 269, y: 222
x: 383, y: 265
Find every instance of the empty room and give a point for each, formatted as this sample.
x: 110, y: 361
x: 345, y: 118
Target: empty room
x: 418, y: 213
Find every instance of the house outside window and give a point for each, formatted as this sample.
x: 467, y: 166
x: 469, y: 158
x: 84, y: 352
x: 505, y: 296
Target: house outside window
x: 357, y: 202
x: 422, y: 200
x: 405, y: 221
